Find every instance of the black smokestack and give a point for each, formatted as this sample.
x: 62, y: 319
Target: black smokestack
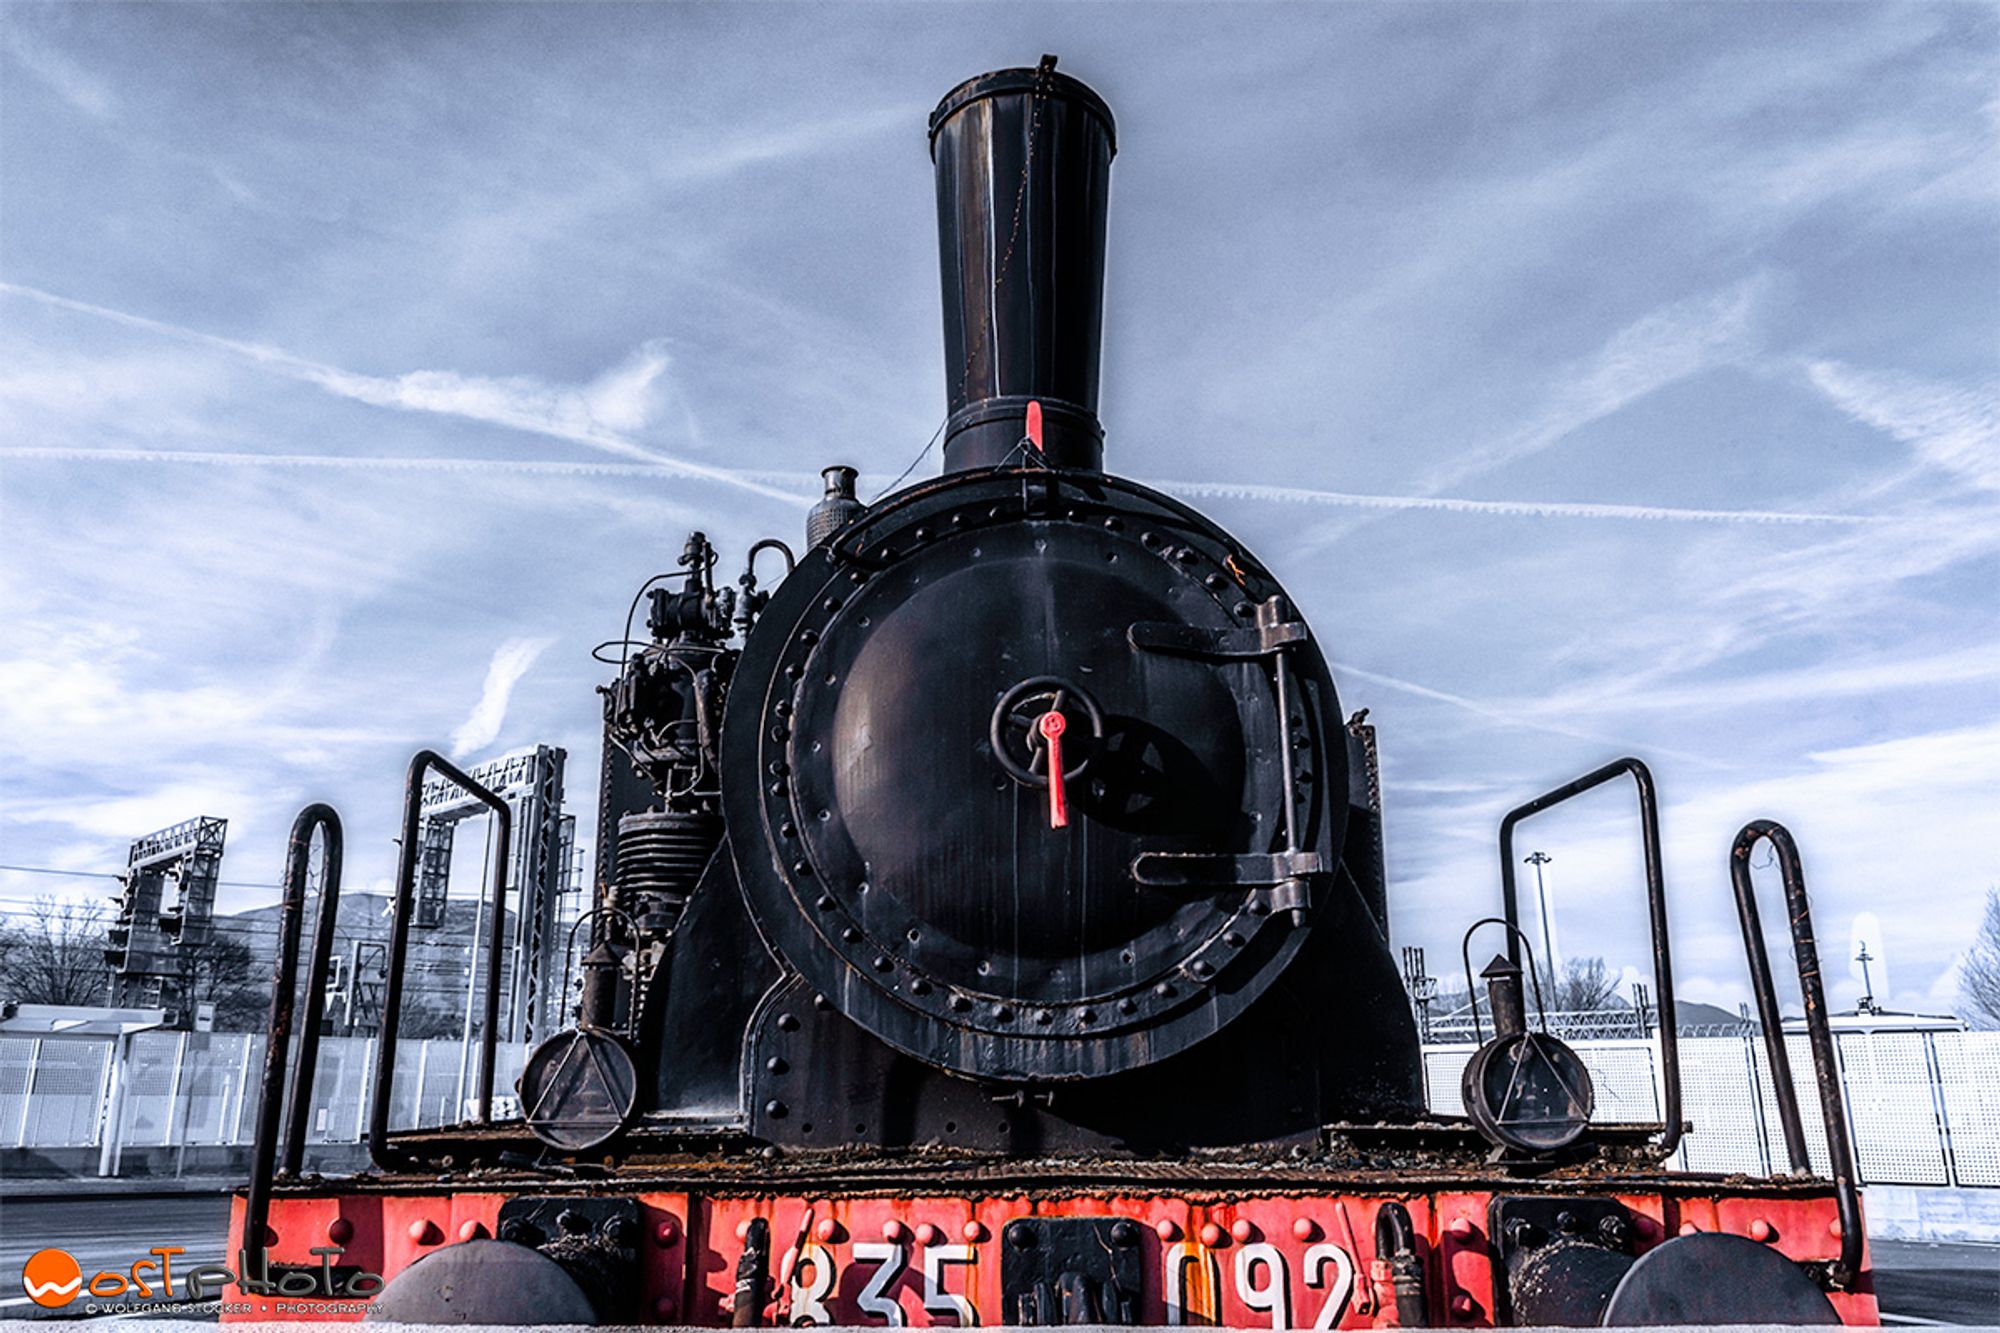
x: 1023, y: 179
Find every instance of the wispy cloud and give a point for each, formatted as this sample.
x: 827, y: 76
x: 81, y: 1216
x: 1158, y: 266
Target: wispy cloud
x: 511, y: 661
x: 64, y: 77
x: 1663, y: 347
x: 1952, y: 427
x: 519, y: 403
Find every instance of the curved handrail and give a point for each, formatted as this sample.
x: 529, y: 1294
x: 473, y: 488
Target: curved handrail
x: 1819, y: 1033
x: 315, y: 818
x: 1656, y: 902
x: 399, y: 943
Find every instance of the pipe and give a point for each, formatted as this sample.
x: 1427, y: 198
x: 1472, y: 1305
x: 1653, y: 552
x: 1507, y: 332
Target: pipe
x: 1396, y: 1246
x: 284, y: 984
x: 1023, y: 160
x: 1656, y: 903
x: 1819, y: 1033
x: 399, y: 944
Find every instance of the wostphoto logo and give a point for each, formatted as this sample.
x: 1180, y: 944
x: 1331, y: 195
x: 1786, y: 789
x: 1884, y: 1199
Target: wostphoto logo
x: 52, y: 1278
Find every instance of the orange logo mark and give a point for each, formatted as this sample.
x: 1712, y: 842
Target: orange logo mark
x: 52, y: 1278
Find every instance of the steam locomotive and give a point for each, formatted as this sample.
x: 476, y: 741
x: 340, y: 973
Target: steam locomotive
x: 991, y: 927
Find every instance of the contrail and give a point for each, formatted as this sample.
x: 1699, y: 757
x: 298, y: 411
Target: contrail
x: 388, y: 463
x: 423, y: 391
x: 1228, y: 490
x: 801, y: 481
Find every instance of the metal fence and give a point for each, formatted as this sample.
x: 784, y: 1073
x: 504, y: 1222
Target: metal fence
x: 1924, y: 1106
x: 195, y: 1089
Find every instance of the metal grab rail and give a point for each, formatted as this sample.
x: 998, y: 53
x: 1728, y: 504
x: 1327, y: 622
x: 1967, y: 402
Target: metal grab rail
x: 320, y: 818
x: 1656, y: 903
x: 399, y: 943
x: 1819, y: 1033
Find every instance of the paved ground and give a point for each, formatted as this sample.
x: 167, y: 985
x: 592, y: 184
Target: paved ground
x: 1917, y: 1283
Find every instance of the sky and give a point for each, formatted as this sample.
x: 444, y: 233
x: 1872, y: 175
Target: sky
x: 1600, y: 379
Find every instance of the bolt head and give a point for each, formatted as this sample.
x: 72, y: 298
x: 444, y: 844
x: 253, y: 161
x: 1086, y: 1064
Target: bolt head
x: 743, y: 1229
x: 472, y: 1229
x: 1760, y: 1230
x: 973, y: 1231
x: 1460, y: 1229
x: 423, y: 1232
x: 1304, y: 1228
x: 1242, y: 1229
x: 1461, y: 1305
x: 665, y: 1307
x: 926, y: 1234
x: 1166, y: 1229
x: 892, y: 1230
x: 667, y: 1232
x: 340, y: 1231
x: 1212, y: 1235
x: 1124, y: 1233
x: 826, y: 1229
x: 1021, y: 1236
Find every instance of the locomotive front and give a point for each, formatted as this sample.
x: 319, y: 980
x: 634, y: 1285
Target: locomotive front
x: 1004, y: 883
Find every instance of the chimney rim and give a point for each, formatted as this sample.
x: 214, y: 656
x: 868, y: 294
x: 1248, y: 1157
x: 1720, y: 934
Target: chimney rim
x: 1000, y: 82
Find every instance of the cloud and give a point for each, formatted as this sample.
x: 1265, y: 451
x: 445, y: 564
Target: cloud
x: 1666, y: 345
x: 64, y: 77
x: 511, y: 661
x: 1229, y: 490
x: 517, y: 402
x: 1952, y: 427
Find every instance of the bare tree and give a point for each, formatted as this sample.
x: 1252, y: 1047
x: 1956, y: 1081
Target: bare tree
x: 225, y: 972
x: 1979, y: 979
x: 1585, y: 986
x: 58, y: 956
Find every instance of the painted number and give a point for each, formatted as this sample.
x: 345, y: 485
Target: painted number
x: 1273, y: 1295
x: 1339, y: 1290
x: 812, y: 1282
x: 874, y: 1298
x: 1183, y: 1297
x: 936, y: 1299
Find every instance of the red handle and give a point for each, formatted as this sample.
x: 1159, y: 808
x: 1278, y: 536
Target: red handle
x: 1051, y: 726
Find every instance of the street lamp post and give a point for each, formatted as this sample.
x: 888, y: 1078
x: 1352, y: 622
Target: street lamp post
x: 1539, y: 859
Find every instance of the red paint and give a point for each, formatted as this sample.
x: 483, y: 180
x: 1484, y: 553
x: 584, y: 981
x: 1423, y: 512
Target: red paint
x: 687, y: 1275
x: 1051, y: 726
x: 339, y: 1231
x: 472, y: 1229
x: 1035, y: 423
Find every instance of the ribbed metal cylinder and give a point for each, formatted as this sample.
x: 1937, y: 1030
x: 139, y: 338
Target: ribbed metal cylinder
x: 661, y: 854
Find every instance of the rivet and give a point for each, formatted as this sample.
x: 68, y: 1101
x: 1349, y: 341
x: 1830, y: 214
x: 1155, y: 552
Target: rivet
x: 788, y: 1022
x: 810, y: 636
x: 665, y: 1307
x: 1833, y: 1228
x: 779, y: 768
x: 1234, y: 939
x: 973, y: 1230
x: 852, y: 934
x: 960, y: 1003
x: 1002, y: 1014
x: 775, y: 1109
x: 919, y: 986
x: 1128, y: 1005
x: 892, y: 1230
x: 1212, y: 1235
x: 882, y: 963
x: 927, y: 1234
x: 777, y: 789
x: 743, y: 1229
x: 1461, y: 1305
x: 793, y: 671
x: 340, y: 1231
x: 826, y: 1229
x: 821, y: 1003
x: 1021, y: 1236
x: 830, y: 604
x: 423, y: 1232
x: 1304, y: 1228
x: 1244, y: 609
x: 472, y: 1229
x: 1646, y: 1226
x: 788, y: 829
x: 1460, y: 1228
x: 1215, y: 583
x: 1242, y: 1229
x: 1163, y: 990
x: 1202, y: 968
x: 1760, y: 1230
x: 1086, y: 1017
x: 1166, y: 1229
x: 667, y: 1232
x: 803, y: 869
x: 1689, y: 1229
x: 1045, y: 1016
x: 1124, y: 1233
x: 827, y: 903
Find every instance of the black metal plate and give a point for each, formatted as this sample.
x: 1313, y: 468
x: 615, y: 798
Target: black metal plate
x: 1711, y: 1278
x: 1070, y: 1270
